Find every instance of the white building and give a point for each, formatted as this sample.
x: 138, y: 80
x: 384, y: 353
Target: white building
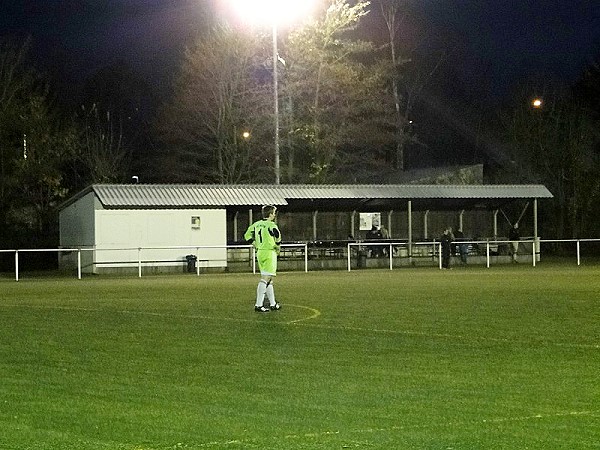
x: 126, y: 226
x: 117, y: 226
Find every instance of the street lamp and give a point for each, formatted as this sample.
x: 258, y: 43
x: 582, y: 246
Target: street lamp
x: 274, y: 13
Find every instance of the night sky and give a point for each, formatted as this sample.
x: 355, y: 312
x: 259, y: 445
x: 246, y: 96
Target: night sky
x: 496, y: 45
x: 513, y: 40
x: 73, y: 38
x: 505, y: 40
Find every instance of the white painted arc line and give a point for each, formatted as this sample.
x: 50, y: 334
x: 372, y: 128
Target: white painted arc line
x: 317, y: 313
x: 395, y: 428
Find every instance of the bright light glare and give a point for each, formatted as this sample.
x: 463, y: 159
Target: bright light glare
x: 536, y: 103
x: 272, y: 12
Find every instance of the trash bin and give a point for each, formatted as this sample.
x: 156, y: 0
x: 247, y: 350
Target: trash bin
x: 362, y: 259
x: 191, y: 263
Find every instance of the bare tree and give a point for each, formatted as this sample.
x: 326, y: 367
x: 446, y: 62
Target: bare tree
x: 218, y: 96
x: 34, y: 145
x: 556, y: 144
x: 15, y: 82
x: 101, y: 148
x: 407, y: 79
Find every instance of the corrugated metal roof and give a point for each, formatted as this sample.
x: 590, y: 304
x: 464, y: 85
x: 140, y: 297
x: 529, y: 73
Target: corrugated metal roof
x: 195, y: 195
x: 182, y: 196
x: 406, y: 191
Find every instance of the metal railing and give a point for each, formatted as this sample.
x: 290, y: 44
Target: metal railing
x: 436, y: 248
x: 354, y: 251
x: 141, y: 262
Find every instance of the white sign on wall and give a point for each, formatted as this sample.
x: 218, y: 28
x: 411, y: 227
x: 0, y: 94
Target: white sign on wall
x: 369, y: 220
x: 195, y: 222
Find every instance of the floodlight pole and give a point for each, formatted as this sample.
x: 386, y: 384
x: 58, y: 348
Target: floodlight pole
x: 276, y: 96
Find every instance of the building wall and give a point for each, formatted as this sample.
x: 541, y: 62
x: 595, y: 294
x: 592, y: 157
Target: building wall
x: 152, y: 229
x: 114, y: 236
x: 77, y: 222
x: 77, y: 230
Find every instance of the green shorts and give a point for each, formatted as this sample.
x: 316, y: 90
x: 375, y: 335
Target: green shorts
x: 267, y: 262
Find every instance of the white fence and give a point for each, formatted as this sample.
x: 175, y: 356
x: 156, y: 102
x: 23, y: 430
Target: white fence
x: 356, y: 251
x: 140, y: 262
x: 434, y: 249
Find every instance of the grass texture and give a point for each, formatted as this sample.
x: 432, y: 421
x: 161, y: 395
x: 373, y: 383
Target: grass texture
x: 472, y: 358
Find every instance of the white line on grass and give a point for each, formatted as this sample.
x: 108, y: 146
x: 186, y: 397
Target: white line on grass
x: 317, y: 313
x: 314, y: 313
x: 394, y: 428
x: 451, y: 336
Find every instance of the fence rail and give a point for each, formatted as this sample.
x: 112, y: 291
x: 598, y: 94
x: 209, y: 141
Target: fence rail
x: 140, y: 262
x: 353, y: 251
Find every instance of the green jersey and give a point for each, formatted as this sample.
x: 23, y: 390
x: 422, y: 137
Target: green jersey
x: 264, y: 234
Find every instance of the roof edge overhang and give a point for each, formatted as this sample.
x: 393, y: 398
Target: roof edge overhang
x: 185, y: 196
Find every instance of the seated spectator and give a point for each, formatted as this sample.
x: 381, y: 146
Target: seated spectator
x: 374, y: 234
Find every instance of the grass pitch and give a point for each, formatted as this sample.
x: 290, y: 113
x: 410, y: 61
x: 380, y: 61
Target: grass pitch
x: 472, y: 358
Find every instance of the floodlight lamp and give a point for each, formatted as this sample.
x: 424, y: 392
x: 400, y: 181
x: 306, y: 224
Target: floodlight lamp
x: 272, y: 12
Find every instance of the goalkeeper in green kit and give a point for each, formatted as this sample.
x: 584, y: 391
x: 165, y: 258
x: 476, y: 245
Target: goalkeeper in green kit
x: 266, y: 238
